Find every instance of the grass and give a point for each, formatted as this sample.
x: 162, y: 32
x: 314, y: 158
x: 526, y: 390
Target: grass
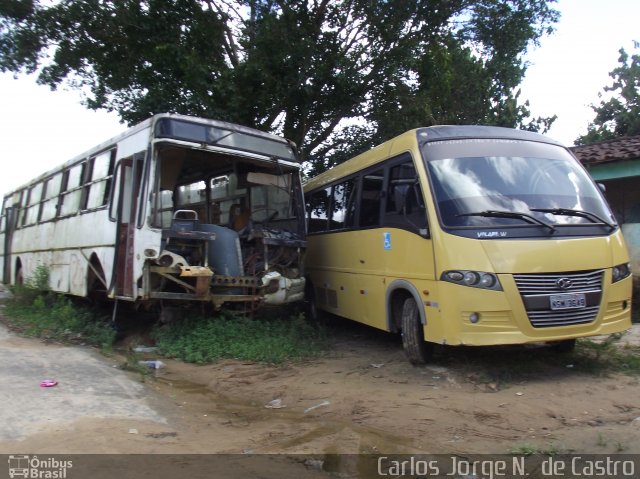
x: 527, y: 449
x: 499, y: 368
x: 267, y: 339
x: 36, y: 311
x: 607, y: 357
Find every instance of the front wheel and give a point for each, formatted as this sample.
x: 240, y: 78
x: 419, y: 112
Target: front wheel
x: 312, y: 313
x: 565, y: 346
x: 418, y: 351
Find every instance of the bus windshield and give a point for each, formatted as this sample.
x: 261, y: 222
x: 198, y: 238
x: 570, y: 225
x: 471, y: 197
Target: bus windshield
x: 493, y: 183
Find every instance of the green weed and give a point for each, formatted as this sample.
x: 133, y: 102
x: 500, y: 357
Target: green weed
x: 36, y: 311
x: 527, y: 449
x: 269, y: 339
x: 607, y: 357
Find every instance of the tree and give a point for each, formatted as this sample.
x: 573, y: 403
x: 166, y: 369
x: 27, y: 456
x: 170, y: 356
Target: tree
x: 332, y: 75
x: 620, y: 114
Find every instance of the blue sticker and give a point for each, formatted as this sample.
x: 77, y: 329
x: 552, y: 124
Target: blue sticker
x: 387, y: 240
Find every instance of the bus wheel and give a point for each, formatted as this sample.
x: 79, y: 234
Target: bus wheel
x: 312, y: 313
x: 418, y: 351
x: 566, y: 346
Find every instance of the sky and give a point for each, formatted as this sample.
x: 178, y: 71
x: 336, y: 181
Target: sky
x: 41, y: 129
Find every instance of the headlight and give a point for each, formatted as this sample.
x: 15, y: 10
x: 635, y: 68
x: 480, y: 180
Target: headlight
x: 620, y: 272
x: 475, y: 279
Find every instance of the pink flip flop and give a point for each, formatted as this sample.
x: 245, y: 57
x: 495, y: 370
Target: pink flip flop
x: 48, y: 383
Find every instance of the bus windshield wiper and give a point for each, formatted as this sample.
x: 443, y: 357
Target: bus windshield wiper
x: 594, y: 218
x: 511, y: 214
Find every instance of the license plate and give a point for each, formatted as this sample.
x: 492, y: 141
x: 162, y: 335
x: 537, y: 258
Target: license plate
x: 567, y: 301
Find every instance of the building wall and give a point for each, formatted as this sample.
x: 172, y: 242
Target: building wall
x: 624, y: 198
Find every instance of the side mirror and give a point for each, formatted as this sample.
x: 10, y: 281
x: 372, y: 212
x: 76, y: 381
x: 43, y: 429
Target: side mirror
x: 602, y: 187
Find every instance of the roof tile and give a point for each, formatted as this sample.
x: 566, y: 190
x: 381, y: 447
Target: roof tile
x: 618, y: 149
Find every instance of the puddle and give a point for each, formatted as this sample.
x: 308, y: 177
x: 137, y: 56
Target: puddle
x: 322, y: 437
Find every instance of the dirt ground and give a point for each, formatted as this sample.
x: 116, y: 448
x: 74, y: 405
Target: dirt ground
x: 364, y: 397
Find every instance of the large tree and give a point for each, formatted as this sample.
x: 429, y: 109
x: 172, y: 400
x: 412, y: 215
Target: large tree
x: 619, y: 115
x: 332, y: 75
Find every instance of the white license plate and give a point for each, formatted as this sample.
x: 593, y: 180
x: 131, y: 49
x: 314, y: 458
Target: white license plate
x: 567, y: 301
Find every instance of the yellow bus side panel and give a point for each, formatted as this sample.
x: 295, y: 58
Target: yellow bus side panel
x: 352, y: 270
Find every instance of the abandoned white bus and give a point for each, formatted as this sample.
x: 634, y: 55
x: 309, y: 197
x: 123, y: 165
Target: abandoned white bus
x: 174, y: 209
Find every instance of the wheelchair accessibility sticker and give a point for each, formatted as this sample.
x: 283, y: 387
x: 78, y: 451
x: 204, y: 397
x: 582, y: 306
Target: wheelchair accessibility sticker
x: 387, y: 240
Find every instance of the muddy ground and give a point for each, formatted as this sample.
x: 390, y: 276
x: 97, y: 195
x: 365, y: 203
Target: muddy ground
x: 364, y: 397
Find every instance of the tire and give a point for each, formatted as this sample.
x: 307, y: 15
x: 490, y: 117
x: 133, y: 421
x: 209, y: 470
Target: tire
x: 564, y: 347
x: 312, y: 313
x: 418, y: 351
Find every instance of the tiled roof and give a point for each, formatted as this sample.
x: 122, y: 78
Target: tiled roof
x: 618, y: 149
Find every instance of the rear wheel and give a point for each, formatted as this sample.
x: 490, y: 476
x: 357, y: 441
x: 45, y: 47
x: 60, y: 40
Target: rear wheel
x: 19, y: 276
x: 418, y: 351
x: 96, y: 290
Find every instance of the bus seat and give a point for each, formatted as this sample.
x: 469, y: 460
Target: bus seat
x: 184, y: 220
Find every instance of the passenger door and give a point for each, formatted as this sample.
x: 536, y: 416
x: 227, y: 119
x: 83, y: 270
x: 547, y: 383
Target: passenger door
x: 128, y: 182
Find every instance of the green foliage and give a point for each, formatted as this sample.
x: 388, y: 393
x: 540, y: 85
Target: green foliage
x: 607, y: 356
x: 40, y: 313
x: 528, y: 449
x: 619, y: 115
x: 306, y: 70
x: 271, y: 340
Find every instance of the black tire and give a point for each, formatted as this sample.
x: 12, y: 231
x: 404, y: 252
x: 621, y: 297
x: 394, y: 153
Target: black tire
x: 564, y: 347
x: 312, y: 313
x: 418, y: 351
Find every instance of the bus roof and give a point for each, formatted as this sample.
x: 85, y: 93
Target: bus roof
x: 459, y: 132
x: 422, y: 135
x: 151, y: 122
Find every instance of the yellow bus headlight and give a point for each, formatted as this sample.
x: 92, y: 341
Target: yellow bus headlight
x: 475, y: 279
x: 620, y: 272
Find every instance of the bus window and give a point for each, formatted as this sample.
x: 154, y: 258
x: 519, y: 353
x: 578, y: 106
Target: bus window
x: 164, y: 210
x: 271, y: 198
x: 404, y: 203
x: 3, y: 216
x: 87, y: 173
x: 191, y: 194
x: 342, y: 205
x: 318, y: 207
x: 51, y: 198
x: 370, y: 198
x: 35, y: 195
x: 71, y: 198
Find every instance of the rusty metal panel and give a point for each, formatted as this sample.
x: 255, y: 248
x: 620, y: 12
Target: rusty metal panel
x: 195, y: 271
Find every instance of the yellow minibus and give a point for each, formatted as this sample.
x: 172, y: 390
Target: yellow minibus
x: 467, y: 235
